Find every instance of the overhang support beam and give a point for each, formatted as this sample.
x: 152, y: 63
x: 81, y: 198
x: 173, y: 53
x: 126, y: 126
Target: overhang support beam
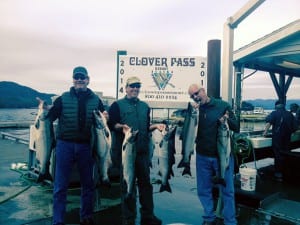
x: 228, y: 40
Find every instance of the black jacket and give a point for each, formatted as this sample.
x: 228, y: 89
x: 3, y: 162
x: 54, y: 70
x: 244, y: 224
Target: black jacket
x: 209, y: 115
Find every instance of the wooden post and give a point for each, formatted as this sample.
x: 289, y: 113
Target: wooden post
x: 213, y: 68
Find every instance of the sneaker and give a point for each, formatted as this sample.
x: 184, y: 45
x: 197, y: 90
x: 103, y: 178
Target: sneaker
x: 87, y: 221
x: 153, y: 220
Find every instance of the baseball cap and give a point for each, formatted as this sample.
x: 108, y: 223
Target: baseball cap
x: 132, y: 80
x: 80, y: 70
x: 279, y: 104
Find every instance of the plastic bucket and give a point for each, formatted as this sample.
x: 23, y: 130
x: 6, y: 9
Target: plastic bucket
x: 248, y: 178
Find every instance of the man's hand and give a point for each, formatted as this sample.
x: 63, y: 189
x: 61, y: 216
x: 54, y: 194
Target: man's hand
x: 159, y: 126
x: 125, y: 128
x: 105, y: 114
x: 224, y: 117
x: 267, y: 127
x: 195, y: 105
x: 122, y: 127
x: 42, y: 102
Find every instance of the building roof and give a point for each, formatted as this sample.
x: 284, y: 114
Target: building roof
x: 277, y: 52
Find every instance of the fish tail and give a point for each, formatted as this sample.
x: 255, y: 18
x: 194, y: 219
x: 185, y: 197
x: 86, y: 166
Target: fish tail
x: 45, y: 176
x: 165, y: 187
x: 181, y: 164
x: 187, y: 171
x: 219, y: 180
x: 171, y: 174
x: 130, y: 201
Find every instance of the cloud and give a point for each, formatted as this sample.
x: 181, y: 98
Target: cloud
x: 42, y: 41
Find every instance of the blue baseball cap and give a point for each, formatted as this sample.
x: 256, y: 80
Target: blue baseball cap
x: 80, y: 70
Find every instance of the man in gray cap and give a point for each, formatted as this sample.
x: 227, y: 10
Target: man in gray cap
x: 74, y: 111
x: 130, y: 112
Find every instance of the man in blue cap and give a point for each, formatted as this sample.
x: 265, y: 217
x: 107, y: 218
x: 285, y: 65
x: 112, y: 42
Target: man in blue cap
x: 74, y: 111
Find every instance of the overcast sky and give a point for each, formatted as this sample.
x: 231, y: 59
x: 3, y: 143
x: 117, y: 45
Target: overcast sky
x: 41, y: 41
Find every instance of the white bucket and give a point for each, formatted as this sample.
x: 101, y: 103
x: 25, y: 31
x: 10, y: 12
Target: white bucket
x: 248, y: 178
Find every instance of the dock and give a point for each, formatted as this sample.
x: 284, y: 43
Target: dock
x: 5, y: 135
x: 15, y: 124
x: 23, y: 201
x: 253, y: 117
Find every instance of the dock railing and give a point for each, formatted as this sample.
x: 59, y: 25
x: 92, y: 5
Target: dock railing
x: 9, y: 136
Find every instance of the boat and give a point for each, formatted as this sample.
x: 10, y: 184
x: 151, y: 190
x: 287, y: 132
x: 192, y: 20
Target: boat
x: 258, y: 110
x: 257, y: 115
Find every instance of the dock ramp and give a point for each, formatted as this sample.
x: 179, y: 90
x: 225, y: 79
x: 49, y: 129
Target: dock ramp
x: 278, y: 206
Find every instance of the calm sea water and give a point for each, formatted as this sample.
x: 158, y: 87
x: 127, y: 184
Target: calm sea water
x: 14, y: 115
x: 30, y: 114
x: 17, y: 114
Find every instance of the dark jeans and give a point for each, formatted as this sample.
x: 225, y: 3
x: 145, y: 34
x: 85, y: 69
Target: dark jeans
x: 142, y: 173
x: 67, y: 153
x: 280, y: 144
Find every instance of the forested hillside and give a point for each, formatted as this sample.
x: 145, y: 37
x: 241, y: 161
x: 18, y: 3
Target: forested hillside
x: 14, y: 95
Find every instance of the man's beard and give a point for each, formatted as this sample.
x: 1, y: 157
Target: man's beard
x: 83, y: 89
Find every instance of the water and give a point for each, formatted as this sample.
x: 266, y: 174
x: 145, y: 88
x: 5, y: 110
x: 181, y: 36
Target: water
x: 15, y: 115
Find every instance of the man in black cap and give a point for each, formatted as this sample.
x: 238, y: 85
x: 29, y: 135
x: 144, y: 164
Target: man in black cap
x: 74, y: 111
x: 130, y: 112
x: 283, y: 125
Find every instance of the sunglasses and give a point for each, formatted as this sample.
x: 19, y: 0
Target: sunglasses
x: 79, y: 76
x: 135, y: 85
x: 194, y: 94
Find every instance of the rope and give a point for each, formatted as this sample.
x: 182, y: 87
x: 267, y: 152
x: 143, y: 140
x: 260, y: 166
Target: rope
x: 18, y: 193
x: 22, y: 169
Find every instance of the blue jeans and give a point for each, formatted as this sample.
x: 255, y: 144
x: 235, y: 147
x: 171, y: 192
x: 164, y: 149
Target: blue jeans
x: 206, y: 168
x: 67, y: 153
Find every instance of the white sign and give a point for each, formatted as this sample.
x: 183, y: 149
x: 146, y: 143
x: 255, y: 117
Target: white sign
x: 163, y: 78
